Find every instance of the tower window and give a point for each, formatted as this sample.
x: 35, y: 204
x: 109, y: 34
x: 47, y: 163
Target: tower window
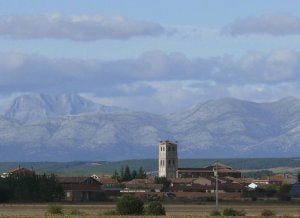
x: 173, y: 162
x: 169, y: 148
x: 173, y: 148
x: 169, y: 162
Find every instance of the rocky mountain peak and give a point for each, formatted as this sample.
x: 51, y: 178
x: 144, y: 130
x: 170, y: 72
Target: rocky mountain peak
x: 36, y: 107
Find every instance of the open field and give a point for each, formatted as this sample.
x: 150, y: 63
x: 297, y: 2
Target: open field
x: 173, y: 210
x: 87, y: 168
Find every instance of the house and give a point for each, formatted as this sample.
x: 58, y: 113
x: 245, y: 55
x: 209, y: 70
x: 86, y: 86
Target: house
x: 281, y: 179
x: 21, y: 171
x: 111, y: 187
x: 142, y: 185
x: 81, y: 188
x: 207, y: 185
x: 209, y: 171
x: 108, y: 183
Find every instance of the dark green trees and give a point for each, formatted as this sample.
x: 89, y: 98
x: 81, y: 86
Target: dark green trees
x: 155, y: 208
x: 30, y: 188
x: 130, y: 205
x: 126, y: 174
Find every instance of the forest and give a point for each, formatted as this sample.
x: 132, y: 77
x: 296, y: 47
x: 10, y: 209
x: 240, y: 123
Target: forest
x: 30, y: 188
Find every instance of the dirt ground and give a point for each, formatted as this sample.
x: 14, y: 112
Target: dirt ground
x: 172, y: 210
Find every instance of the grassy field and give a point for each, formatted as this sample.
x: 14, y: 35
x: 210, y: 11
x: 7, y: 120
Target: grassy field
x: 172, y: 210
x: 88, y: 168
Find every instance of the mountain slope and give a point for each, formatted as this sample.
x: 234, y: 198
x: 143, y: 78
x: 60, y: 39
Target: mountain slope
x: 233, y: 127
x: 73, y: 128
x: 38, y: 107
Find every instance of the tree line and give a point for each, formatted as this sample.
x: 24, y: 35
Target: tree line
x: 125, y: 174
x: 30, y: 188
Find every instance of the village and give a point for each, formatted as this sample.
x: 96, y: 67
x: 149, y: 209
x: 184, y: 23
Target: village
x: 172, y: 183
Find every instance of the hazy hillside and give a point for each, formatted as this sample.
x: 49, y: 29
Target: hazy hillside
x: 69, y: 127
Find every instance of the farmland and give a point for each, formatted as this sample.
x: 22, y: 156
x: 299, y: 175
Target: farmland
x: 172, y: 210
x: 84, y: 168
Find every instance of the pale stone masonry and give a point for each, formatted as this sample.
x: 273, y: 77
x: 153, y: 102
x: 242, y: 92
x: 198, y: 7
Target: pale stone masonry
x: 168, y: 159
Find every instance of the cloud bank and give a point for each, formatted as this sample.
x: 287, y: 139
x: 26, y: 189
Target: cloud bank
x: 156, y: 79
x: 19, y: 71
x: 271, y: 24
x: 75, y: 27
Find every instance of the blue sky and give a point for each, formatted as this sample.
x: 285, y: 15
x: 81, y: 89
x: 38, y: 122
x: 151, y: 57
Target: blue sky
x: 156, y: 56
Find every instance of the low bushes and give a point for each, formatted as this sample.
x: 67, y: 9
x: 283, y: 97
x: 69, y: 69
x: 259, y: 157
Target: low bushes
x: 54, y: 209
x: 130, y: 205
x: 268, y: 213
x: 215, y: 213
x: 233, y: 212
x: 155, y: 208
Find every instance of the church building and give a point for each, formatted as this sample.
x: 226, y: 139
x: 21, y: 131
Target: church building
x: 168, y: 159
x: 168, y: 165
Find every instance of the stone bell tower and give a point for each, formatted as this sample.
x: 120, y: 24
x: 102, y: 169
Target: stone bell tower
x: 168, y: 159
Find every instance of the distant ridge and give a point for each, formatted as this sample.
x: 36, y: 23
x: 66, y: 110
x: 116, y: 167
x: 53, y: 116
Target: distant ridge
x: 37, y: 107
x: 41, y: 127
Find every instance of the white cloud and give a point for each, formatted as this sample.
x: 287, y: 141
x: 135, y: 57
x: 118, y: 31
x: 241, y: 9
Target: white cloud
x: 272, y: 24
x: 75, y: 27
x: 275, y: 66
x: 33, y: 73
x: 156, y: 81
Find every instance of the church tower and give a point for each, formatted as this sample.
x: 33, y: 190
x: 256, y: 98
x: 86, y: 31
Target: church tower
x: 168, y: 159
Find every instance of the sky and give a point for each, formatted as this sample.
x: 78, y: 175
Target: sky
x: 154, y: 56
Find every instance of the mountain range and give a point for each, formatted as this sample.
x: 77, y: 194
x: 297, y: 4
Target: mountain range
x: 40, y: 127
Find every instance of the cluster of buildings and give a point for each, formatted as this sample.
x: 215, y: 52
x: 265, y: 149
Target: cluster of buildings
x: 191, y: 183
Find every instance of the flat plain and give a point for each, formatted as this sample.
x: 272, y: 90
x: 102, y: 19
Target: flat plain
x: 173, y: 210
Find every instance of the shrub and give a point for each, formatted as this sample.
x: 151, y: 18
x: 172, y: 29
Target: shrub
x: 155, y: 208
x: 215, y: 213
x: 55, y: 209
x: 229, y: 212
x: 241, y: 213
x: 130, y: 205
x: 233, y: 212
x: 268, y: 213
